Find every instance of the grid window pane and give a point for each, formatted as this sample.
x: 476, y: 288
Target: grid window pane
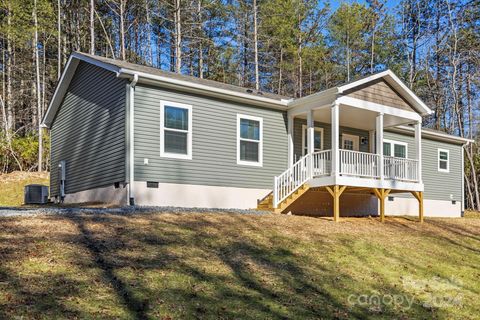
x: 249, y: 129
x: 176, y: 118
x: 443, y: 165
x: 249, y: 151
x: 400, y: 151
x: 347, y: 144
x: 387, y: 149
x: 443, y: 155
x: 175, y: 142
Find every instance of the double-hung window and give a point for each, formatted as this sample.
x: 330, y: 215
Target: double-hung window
x: 395, y: 149
x: 249, y: 140
x: 175, y: 130
x: 443, y: 160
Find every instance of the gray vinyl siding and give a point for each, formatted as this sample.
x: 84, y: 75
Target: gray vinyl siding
x: 214, y: 142
x: 88, y: 131
x: 438, y: 185
x: 327, y: 136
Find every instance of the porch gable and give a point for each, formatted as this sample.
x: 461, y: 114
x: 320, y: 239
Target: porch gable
x: 380, y: 92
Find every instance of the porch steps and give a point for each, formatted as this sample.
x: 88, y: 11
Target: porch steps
x: 266, y: 203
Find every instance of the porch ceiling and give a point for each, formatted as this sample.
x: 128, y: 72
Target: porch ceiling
x: 357, y: 118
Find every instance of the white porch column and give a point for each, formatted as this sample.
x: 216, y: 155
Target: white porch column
x: 310, y: 143
x: 290, y: 140
x: 335, y: 121
x: 310, y: 131
x: 379, y: 142
x: 418, y: 148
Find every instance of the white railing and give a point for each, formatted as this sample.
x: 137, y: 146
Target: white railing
x: 291, y: 179
x: 400, y: 169
x: 352, y: 163
x: 359, y: 164
x: 309, y: 166
x: 322, y: 163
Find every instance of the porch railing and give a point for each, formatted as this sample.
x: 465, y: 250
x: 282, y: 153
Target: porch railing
x: 352, y: 163
x: 309, y: 166
x: 359, y: 164
x: 400, y: 169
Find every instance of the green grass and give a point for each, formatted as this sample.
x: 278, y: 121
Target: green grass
x: 228, y: 266
x: 12, y: 184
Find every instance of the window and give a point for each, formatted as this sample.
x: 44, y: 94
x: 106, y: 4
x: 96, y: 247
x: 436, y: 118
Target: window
x: 249, y: 140
x: 317, y: 139
x: 395, y: 149
x: 350, y: 142
x: 175, y: 130
x: 443, y: 160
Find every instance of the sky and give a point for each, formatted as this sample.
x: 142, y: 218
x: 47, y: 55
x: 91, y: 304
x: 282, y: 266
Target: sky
x: 391, y: 4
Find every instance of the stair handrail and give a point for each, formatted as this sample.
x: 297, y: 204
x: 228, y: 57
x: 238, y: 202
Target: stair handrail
x: 291, y: 179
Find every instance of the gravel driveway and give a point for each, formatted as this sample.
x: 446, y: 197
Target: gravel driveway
x: 20, y: 211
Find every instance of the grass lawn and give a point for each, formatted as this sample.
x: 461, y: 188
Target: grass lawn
x: 230, y: 266
x: 12, y: 184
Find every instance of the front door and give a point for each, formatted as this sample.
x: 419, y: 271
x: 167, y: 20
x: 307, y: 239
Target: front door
x: 350, y: 142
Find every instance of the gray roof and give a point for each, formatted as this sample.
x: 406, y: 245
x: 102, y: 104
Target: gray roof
x: 173, y: 75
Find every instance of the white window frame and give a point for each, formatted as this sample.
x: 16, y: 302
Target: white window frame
x: 353, y: 137
x: 392, y: 146
x: 448, y: 160
x: 164, y: 154
x: 304, y: 145
x: 260, y: 141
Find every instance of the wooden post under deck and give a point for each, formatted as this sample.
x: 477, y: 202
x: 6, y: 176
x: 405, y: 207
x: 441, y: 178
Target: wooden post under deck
x: 336, y: 191
x: 381, y: 195
x: 419, y: 196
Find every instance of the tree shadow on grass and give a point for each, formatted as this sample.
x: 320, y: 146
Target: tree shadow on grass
x: 204, y: 267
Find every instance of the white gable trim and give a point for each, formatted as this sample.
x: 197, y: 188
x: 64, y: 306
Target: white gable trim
x: 64, y: 83
x: 394, y: 81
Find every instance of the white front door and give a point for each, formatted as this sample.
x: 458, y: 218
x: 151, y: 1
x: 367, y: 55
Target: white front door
x: 350, y: 142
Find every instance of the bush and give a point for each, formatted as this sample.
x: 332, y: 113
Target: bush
x: 22, y: 152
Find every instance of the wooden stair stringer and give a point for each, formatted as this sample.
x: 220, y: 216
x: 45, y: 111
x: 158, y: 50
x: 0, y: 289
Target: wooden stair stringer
x: 282, y: 206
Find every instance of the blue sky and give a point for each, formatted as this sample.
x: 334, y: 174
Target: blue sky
x: 391, y: 4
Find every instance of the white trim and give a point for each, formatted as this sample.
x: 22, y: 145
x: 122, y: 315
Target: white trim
x: 392, y: 79
x: 164, y: 154
x: 463, y: 178
x: 439, y: 136
x: 380, y: 108
x: 304, y: 146
x: 131, y: 139
x: 355, y: 138
x: 66, y: 78
x: 204, y: 89
x: 392, y: 147
x: 290, y: 133
x: 260, y: 141
x: 448, y: 160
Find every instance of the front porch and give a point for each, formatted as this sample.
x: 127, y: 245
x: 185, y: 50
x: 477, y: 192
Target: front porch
x: 336, y: 143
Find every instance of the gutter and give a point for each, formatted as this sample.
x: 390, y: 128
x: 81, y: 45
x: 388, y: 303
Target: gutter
x: 131, y: 106
x: 434, y: 135
x: 207, y: 90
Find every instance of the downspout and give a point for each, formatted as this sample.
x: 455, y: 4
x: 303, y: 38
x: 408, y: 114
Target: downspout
x: 462, y: 214
x: 131, y: 175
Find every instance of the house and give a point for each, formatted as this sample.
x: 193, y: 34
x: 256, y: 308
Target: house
x: 131, y: 134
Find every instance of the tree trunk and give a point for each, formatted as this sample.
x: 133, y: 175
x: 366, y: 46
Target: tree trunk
x: 92, y: 26
x: 38, y: 88
x: 9, y: 97
x: 149, y: 31
x: 59, y: 40
x: 255, y: 44
x: 178, y: 37
x: 122, y: 30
